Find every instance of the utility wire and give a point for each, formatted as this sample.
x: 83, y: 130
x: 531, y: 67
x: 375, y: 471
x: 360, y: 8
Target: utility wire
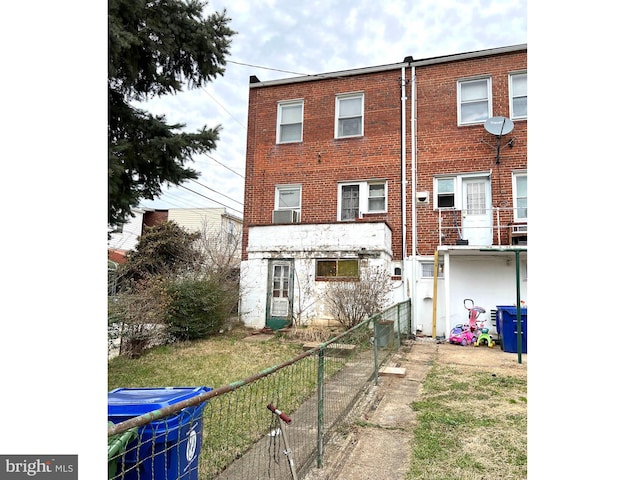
x: 267, y: 68
x: 222, y: 164
x: 215, y: 191
x: 211, y: 199
x: 223, y: 107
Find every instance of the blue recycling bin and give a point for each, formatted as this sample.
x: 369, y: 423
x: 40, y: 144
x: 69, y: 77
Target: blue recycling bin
x: 168, y: 448
x: 507, y: 327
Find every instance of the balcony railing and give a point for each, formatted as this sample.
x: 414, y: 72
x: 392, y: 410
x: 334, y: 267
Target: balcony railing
x: 503, y: 229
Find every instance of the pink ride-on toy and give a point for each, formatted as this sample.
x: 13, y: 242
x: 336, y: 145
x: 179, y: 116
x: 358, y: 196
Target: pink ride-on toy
x: 480, y: 331
x: 461, y: 335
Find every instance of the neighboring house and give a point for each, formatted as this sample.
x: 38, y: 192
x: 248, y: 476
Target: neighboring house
x: 392, y: 166
x: 215, y: 223
x: 125, y: 237
x: 218, y: 228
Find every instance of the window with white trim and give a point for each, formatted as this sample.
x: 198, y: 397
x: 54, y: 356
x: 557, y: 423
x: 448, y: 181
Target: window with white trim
x: 349, y: 115
x: 520, y: 197
x: 288, y: 197
x: 358, y: 198
x: 337, y: 268
x: 427, y: 268
x: 445, y: 189
x: 448, y: 193
x: 290, y: 114
x: 474, y: 100
x: 518, y: 95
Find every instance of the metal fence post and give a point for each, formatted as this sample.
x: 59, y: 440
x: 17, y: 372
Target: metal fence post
x: 398, y: 325
x: 320, y: 405
x: 375, y: 349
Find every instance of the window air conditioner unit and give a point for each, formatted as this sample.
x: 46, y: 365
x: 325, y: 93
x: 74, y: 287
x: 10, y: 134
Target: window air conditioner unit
x: 286, y: 216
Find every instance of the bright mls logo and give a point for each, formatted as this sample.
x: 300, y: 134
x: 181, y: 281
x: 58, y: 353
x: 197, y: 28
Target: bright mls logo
x: 49, y: 467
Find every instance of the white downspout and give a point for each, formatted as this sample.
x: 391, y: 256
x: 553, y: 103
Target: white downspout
x: 403, y: 155
x: 414, y: 229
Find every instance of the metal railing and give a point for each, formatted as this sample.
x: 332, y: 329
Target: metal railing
x: 501, y: 229
x: 238, y: 431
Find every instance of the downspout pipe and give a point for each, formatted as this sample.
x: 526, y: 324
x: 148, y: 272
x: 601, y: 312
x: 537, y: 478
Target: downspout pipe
x: 403, y: 157
x: 414, y: 229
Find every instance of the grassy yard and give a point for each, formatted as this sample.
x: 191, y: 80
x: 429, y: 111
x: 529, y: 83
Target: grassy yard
x: 213, y: 362
x: 472, y: 425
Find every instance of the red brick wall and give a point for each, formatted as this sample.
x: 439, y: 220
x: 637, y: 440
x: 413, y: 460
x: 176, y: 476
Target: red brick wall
x: 320, y: 161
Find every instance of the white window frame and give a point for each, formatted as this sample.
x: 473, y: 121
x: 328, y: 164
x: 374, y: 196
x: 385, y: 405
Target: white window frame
x: 338, y: 118
x: 516, y: 196
x: 282, y: 188
x: 280, y: 122
x: 457, y: 188
x: 363, y: 197
x: 488, y: 100
x: 512, y: 94
x: 427, y: 267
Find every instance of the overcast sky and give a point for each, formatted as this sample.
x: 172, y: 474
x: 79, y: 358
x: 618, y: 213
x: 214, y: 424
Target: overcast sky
x: 283, y: 38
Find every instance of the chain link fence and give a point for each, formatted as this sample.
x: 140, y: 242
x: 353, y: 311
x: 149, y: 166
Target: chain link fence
x: 272, y: 425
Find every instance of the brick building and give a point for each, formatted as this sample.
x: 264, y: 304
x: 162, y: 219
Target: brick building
x: 418, y: 168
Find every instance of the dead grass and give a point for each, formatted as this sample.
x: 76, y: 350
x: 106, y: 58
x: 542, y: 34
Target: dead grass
x: 472, y: 424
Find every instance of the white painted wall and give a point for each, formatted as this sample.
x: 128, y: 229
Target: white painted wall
x: 489, y: 280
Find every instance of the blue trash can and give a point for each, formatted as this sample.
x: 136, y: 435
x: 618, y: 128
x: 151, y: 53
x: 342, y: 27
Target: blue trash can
x: 169, y: 447
x: 507, y: 327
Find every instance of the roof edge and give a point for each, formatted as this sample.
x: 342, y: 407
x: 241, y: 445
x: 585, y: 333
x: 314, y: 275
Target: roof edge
x: 256, y: 83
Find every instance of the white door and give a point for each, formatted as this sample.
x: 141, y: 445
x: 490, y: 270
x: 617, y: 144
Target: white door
x: 280, y: 290
x: 476, y: 211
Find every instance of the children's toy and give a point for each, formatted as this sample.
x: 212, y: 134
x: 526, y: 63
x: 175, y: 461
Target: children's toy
x: 479, y: 330
x: 484, y: 338
x: 474, y: 314
x: 461, y: 335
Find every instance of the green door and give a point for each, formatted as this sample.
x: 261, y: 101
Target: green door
x: 280, y: 294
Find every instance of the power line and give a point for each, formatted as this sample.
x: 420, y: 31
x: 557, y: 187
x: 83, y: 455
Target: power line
x: 211, y: 199
x: 267, y: 68
x: 228, y: 112
x: 222, y: 164
x: 215, y: 191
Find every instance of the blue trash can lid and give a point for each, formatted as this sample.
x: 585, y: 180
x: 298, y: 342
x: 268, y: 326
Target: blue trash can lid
x: 138, y: 401
x: 512, y: 310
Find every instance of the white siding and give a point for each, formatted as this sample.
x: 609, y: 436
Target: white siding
x: 194, y: 219
x: 131, y: 231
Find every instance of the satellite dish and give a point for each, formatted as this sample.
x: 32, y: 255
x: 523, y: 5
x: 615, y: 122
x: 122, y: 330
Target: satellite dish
x: 498, y: 126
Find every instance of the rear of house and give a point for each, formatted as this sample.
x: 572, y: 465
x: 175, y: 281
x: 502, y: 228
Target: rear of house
x: 395, y: 167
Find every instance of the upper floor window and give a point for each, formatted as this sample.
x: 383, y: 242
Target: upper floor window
x: 474, y: 100
x: 288, y: 197
x: 445, y: 192
x: 520, y: 197
x: 468, y: 192
x: 357, y: 198
x: 349, y: 115
x: 290, y: 121
x: 518, y: 95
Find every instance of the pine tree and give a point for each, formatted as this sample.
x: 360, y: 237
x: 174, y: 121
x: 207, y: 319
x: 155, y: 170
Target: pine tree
x: 157, y: 47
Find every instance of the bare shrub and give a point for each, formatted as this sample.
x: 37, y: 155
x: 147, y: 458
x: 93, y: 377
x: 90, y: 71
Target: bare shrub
x: 140, y: 316
x: 351, y: 302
